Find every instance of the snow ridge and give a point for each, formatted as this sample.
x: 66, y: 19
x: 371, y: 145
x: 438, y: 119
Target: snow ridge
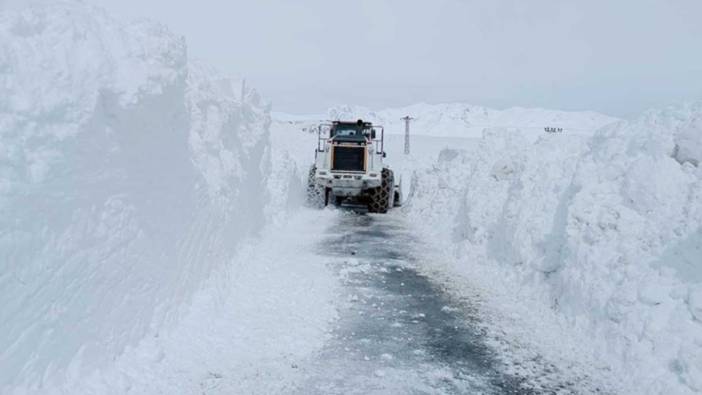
x: 129, y: 176
x: 603, y: 231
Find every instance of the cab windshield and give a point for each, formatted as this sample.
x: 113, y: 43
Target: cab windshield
x: 350, y: 130
x: 347, y: 131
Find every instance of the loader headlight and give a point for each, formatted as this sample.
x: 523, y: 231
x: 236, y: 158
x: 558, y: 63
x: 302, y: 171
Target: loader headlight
x: 373, y: 175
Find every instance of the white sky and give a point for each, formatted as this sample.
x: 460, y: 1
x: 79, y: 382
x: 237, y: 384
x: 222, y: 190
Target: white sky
x: 618, y: 57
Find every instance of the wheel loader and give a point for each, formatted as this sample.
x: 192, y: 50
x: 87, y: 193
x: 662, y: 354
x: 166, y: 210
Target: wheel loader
x: 349, y: 167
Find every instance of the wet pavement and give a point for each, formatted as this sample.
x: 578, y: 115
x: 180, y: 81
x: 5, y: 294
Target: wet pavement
x: 398, y: 331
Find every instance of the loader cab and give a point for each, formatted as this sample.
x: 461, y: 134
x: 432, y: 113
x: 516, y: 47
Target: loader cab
x: 358, y: 131
x: 359, y: 134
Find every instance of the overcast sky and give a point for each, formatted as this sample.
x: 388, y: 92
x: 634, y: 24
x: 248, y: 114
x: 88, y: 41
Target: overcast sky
x: 618, y: 57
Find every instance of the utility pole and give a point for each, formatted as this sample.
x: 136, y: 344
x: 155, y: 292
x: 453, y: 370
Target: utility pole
x: 407, y: 120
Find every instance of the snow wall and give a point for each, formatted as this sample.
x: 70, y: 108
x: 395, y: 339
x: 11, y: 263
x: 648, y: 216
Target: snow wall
x: 605, y: 230
x: 128, y: 176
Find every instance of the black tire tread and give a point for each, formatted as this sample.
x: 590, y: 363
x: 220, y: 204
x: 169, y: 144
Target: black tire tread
x: 380, y: 198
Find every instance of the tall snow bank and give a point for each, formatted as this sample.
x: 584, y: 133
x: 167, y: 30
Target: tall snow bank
x: 127, y: 177
x: 607, y: 231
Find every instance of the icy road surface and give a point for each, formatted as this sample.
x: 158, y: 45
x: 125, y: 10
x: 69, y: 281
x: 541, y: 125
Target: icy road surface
x: 398, y: 331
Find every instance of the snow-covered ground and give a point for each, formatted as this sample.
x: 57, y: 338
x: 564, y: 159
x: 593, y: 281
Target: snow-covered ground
x: 153, y: 240
x: 244, y: 331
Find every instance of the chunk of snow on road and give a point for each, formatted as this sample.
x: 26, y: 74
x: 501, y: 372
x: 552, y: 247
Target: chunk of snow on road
x: 449, y: 309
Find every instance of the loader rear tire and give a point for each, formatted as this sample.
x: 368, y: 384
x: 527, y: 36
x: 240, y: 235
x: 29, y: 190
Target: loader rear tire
x: 381, y: 198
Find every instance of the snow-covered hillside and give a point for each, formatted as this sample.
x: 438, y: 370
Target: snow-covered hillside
x: 603, y: 232
x: 128, y: 177
x: 464, y: 120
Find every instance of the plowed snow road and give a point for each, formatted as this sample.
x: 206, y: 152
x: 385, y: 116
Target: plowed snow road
x: 398, y: 331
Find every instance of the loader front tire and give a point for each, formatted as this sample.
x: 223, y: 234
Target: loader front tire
x: 381, y: 198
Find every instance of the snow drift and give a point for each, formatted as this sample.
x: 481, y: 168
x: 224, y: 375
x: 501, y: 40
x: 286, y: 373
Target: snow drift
x: 127, y: 176
x: 605, y: 230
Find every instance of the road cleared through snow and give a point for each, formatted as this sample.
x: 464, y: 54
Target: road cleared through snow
x: 398, y: 330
